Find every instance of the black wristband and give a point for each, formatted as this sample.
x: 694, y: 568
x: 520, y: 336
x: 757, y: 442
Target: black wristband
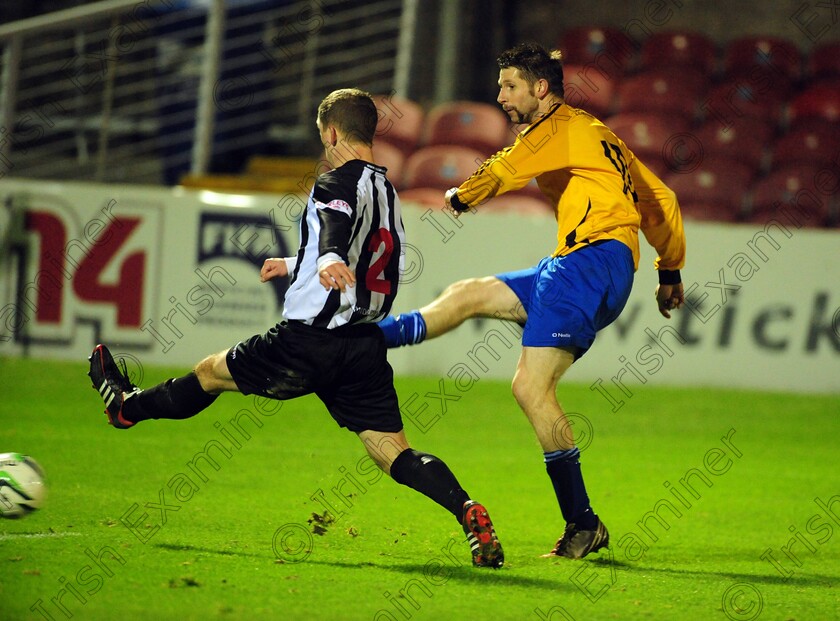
x: 669, y: 277
x: 456, y: 203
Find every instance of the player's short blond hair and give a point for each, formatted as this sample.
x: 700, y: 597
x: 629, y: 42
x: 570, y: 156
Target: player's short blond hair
x: 352, y: 111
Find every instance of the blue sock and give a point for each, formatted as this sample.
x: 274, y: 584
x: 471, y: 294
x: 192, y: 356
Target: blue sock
x: 563, y: 469
x: 404, y: 329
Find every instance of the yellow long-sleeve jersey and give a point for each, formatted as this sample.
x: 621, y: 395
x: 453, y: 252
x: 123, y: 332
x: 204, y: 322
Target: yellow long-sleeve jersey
x: 599, y: 188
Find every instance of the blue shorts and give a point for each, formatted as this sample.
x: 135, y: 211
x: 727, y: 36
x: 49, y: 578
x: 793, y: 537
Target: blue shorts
x: 568, y: 299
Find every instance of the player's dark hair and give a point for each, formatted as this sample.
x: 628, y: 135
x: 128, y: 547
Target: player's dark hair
x: 535, y: 63
x: 352, y: 111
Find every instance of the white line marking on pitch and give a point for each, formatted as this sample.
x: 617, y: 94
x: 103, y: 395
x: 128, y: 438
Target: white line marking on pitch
x: 6, y: 536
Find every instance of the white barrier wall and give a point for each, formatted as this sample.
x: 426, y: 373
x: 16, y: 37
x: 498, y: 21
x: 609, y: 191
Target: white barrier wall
x: 166, y: 276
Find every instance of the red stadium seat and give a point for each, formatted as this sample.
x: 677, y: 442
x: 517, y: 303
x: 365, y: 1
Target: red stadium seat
x: 440, y: 166
x: 665, y: 50
x: 744, y: 55
x: 739, y: 97
x: 805, y: 214
x: 821, y: 100
x: 423, y: 197
x: 717, y: 181
x: 589, y: 88
x: 666, y: 92
x: 745, y: 139
x: 708, y: 212
x: 607, y: 47
x: 794, y: 186
x: 824, y: 61
x: 767, y: 60
x: 517, y: 203
x: 651, y: 137
x: 811, y: 143
x: 391, y: 157
x: 480, y: 126
x: 400, y: 122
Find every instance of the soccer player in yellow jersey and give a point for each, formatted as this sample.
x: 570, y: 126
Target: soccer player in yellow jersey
x: 602, y: 196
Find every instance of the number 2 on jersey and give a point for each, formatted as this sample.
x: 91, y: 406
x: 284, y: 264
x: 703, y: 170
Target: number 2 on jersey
x: 375, y: 278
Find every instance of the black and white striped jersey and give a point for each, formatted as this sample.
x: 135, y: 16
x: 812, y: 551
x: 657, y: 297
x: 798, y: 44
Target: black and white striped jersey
x: 353, y: 214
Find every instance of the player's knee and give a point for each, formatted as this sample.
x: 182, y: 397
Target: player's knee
x: 205, y: 371
x: 522, y: 390
x: 531, y: 390
x: 469, y: 294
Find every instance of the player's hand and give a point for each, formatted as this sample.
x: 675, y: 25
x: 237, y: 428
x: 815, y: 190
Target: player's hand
x: 273, y: 268
x: 669, y: 297
x: 447, y: 201
x: 336, y: 275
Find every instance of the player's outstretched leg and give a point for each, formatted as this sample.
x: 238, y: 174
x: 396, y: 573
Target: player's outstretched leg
x: 126, y: 404
x: 113, y: 385
x: 478, y: 527
x: 404, y: 329
x: 431, y: 477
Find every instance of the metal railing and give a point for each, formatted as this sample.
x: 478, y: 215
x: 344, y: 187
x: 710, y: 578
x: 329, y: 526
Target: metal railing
x: 145, y: 92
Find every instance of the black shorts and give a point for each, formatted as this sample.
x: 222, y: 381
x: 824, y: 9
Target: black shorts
x: 345, y: 367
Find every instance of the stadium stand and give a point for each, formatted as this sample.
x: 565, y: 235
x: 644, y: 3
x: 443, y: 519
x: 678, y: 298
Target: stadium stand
x: 480, y: 126
x: 746, y: 139
x: 588, y: 87
x: 664, y: 91
x: 719, y: 181
x: 400, y: 122
x: 391, y: 157
x: 649, y: 136
x: 680, y: 49
x: 733, y: 98
x: 606, y: 47
x: 813, y: 141
x: 791, y: 185
x: 774, y: 60
x: 821, y: 100
x: 736, y: 129
x: 440, y: 166
x: 824, y: 61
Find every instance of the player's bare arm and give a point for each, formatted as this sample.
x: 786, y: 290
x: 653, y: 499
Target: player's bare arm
x: 273, y: 268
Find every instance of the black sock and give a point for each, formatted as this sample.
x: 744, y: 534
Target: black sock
x: 563, y: 469
x: 431, y: 477
x: 176, y: 398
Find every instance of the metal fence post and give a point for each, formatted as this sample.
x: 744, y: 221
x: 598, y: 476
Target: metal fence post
x: 8, y: 98
x: 405, y: 48
x: 206, y: 108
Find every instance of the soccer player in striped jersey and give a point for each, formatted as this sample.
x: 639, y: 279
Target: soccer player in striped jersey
x: 344, y: 279
x: 602, y: 196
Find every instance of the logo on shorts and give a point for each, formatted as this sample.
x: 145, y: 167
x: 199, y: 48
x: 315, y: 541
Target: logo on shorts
x: 562, y: 335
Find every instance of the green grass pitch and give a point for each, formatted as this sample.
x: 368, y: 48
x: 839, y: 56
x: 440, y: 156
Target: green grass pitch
x: 720, y: 504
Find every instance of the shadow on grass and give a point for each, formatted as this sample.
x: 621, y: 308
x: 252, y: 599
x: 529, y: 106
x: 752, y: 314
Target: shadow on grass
x: 177, y: 547
x: 813, y: 580
x: 442, y: 573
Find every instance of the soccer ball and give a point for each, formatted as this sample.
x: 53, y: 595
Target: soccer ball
x: 22, y: 487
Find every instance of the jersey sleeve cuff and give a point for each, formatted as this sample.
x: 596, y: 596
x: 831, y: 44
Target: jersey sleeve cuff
x: 328, y: 258
x: 669, y: 277
x: 456, y: 203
